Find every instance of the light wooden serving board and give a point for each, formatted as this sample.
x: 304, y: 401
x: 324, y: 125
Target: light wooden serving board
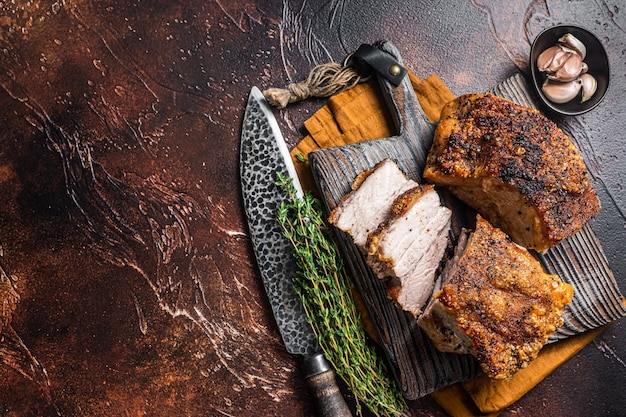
x: 418, y: 366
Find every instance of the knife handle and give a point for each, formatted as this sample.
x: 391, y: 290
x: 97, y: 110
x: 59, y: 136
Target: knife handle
x: 322, y: 382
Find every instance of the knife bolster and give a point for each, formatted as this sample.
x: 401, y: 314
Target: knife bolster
x: 315, y: 364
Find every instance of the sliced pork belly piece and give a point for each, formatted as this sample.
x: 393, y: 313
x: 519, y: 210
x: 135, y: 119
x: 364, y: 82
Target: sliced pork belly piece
x: 496, y: 303
x: 373, y: 191
x: 515, y: 167
x: 406, y: 249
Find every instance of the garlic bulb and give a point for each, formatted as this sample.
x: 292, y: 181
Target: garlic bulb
x: 570, y: 70
x: 552, y: 59
x: 589, y: 85
x: 559, y: 92
x: 560, y: 63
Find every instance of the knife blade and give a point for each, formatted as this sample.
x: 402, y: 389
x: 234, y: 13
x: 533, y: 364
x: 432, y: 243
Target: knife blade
x: 264, y: 154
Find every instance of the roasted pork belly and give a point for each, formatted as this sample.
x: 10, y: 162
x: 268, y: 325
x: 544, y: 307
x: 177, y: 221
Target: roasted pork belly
x: 496, y: 303
x: 406, y: 249
x: 515, y: 167
x: 401, y: 227
x: 373, y: 191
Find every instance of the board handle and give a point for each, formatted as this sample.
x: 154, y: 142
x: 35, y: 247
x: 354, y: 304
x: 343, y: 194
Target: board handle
x: 410, y: 121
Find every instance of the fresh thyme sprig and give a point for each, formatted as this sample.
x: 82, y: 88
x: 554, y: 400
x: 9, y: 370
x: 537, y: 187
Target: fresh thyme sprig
x: 324, y: 288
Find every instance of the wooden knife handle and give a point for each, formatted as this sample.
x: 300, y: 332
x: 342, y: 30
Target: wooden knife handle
x: 322, y: 383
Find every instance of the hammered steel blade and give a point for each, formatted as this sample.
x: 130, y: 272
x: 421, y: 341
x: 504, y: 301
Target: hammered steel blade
x: 263, y: 155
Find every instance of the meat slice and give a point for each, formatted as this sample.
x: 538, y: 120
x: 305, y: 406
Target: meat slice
x: 373, y: 191
x: 496, y: 303
x: 401, y: 227
x: 515, y: 167
x: 406, y: 249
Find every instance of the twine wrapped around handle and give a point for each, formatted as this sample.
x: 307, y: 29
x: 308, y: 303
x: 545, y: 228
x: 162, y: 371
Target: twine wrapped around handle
x: 328, y: 79
x: 324, y: 80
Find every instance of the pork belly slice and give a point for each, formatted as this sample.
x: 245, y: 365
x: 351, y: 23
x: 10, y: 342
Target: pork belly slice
x: 368, y: 204
x: 406, y: 249
x: 515, y: 167
x: 496, y: 303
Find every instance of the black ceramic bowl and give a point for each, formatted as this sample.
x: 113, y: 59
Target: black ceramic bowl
x: 596, y: 59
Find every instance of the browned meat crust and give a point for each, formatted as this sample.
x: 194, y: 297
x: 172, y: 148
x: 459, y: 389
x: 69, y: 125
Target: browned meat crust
x: 500, y: 299
x: 514, y: 166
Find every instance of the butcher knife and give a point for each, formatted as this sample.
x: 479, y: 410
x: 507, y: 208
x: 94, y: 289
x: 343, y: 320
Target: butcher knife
x: 263, y: 155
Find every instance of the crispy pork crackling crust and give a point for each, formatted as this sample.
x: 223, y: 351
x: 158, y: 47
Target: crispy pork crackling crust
x: 496, y: 303
x: 515, y: 167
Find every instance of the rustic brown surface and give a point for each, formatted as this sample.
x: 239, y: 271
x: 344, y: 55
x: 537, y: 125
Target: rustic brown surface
x: 121, y: 224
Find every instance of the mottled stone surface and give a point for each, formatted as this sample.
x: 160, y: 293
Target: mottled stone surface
x: 128, y: 285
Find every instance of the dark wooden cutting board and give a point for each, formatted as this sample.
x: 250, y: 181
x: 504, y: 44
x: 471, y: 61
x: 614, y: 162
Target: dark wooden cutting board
x: 418, y: 366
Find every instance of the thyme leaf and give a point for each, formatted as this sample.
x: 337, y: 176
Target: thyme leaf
x: 325, y: 290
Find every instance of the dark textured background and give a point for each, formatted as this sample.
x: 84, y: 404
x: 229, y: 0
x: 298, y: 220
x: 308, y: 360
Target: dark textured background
x: 121, y: 225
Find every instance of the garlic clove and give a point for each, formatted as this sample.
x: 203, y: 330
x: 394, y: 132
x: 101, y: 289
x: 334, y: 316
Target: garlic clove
x: 585, y: 68
x: 552, y: 59
x: 546, y: 57
x: 570, y: 70
x: 574, y: 43
x: 561, y: 92
x: 589, y: 86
